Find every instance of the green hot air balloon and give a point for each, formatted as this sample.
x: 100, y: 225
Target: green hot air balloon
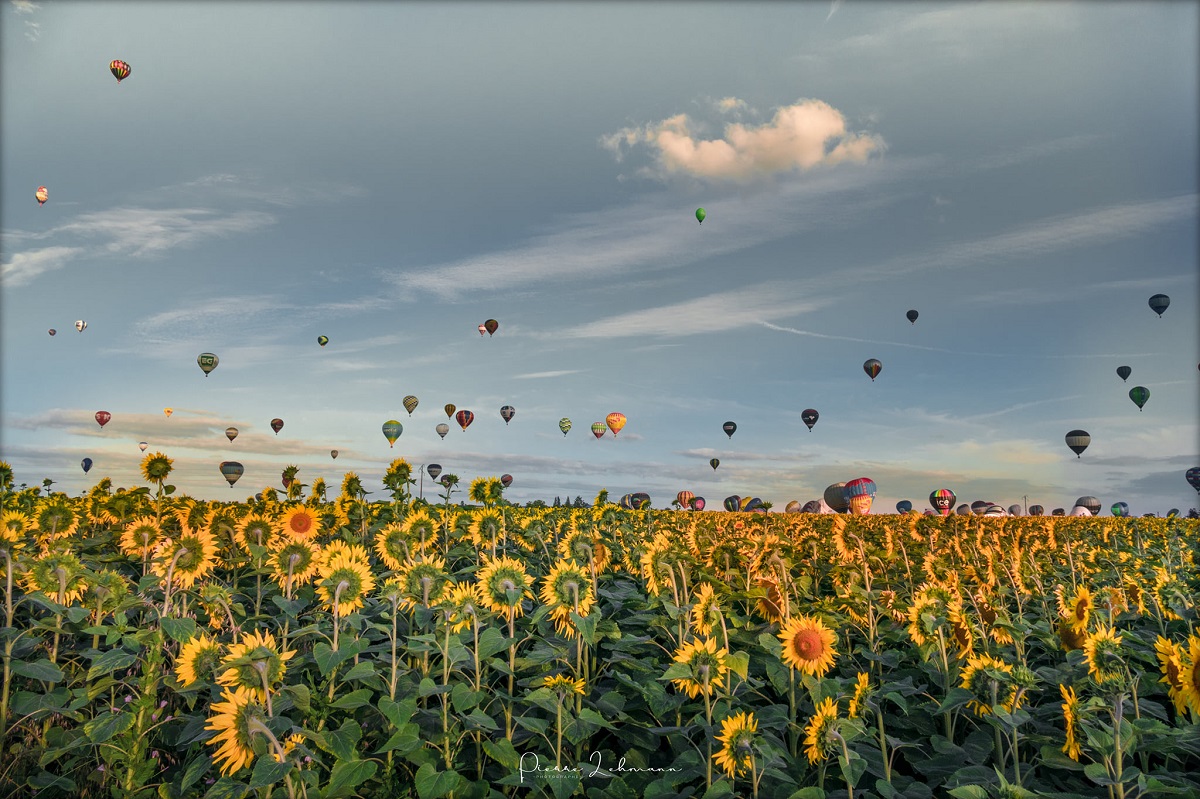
x: 715, y: 462
x: 1139, y: 395
x: 564, y: 424
x: 599, y: 429
x: 322, y: 340
x: 391, y: 431
x: 410, y: 404
x: 700, y: 215
x: 207, y: 362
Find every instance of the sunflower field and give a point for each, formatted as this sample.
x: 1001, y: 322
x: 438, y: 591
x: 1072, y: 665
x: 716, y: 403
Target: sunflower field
x: 160, y: 646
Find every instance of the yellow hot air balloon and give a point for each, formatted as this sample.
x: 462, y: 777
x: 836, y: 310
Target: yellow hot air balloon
x: 615, y: 422
x: 168, y: 412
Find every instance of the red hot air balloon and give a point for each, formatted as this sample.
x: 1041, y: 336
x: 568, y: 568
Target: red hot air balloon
x: 276, y: 425
x: 684, y: 498
x: 506, y: 480
x: 41, y: 195
x: 464, y: 419
x: 873, y: 367
x: 102, y: 417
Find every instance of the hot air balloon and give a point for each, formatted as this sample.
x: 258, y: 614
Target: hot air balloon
x: 506, y: 480
x: 1124, y: 372
x: 442, y: 429
x: 232, y: 471
x: 276, y: 425
x: 626, y: 502
x: 715, y: 462
x: 168, y: 411
x: 507, y: 413
x: 207, y: 362
x: 564, y: 424
x: 1120, y: 509
x: 641, y: 500
x: 86, y: 463
x: 464, y: 419
x: 80, y: 325
x: 873, y: 367
x: 793, y: 507
x: 730, y: 428
x: 434, y: 470
x: 979, y: 506
x: 963, y: 510
x: 698, y: 503
x: 52, y: 331
x: 1172, y: 513
x: 942, y: 501
x: 322, y: 340
x: 449, y: 409
x: 809, y: 417
x: 1159, y: 303
x: 142, y: 445
x: 333, y: 453
x: 599, y: 429
x: 42, y: 195
x: 491, y: 326
x: 1036, y: 510
x: 1058, y: 512
x: 482, y: 330
x: 231, y: 433
x: 835, y: 497
x: 1078, y: 441
x: 120, y: 71
x: 1015, y: 510
x: 733, y: 503
x: 684, y: 498
x: 912, y: 316
x: 1193, y: 477
x: 445, y: 481
x: 410, y: 404
x: 1139, y: 395
x: 102, y: 417
x: 615, y: 422
x: 700, y: 214
x: 860, y: 493
x: 1090, y: 503
x: 391, y: 431
x: 751, y: 504
x: 903, y: 506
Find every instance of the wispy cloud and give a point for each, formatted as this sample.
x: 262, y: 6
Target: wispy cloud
x: 25, y: 267
x: 833, y: 8
x: 256, y: 188
x: 25, y: 7
x: 540, y: 375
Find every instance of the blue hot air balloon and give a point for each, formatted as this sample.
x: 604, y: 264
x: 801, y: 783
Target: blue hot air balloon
x: 903, y: 506
x: 232, y: 471
x: 86, y: 463
x: 1159, y: 303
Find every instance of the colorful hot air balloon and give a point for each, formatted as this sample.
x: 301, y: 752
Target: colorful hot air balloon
x: 276, y: 425
x: 903, y: 506
x: 599, y: 429
x: 730, y: 428
x: 322, y: 340
x: 912, y: 316
x: 733, y: 503
x: 698, y: 503
x: 142, y: 445
x: 207, y: 362
x: 232, y: 471
x: 168, y: 411
x: 942, y: 501
x: 482, y: 330
x: 1124, y: 372
x: 231, y: 433
x: 86, y: 463
x: 449, y: 409
x: 715, y: 462
x: 1078, y: 441
x: 1120, y: 509
x: 1159, y: 303
x: 80, y: 325
x: 42, y: 195
x: 809, y: 417
x: 615, y: 422
x: 835, y: 497
x: 464, y: 419
x: 102, y: 417
x: 751, y: 505
x: 507, y: 413
x: 442, y: 429
x: 684, y: 498
x: 873, y: 367
x: 1193, y: 477
x: 700, y: 214
x: 434, y: 470
x: 53, y: 332
x: 1139, y: 395
x: 506, y: 480
x: 410, y: 404
x: 491, y: 326
x: 391, y: 431
x: 564, y: 424
x: 333, y: 453
x: 120, y: 71
x: 860, y: 493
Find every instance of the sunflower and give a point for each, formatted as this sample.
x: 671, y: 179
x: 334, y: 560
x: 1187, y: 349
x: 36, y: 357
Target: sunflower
x: 351, y: 486
x: 563, y: 685
x: 1172, y: 659
x: 737, y: 741
x: 960, y: 629
x: 421, y: 528
x: 1078, y: 609
x: 1103, y: 652
x: 58, y: 575
x: 1070, y: 638
x: 106, y: 590
x: 255, y: 530
x: 140, y: 537
x: 55, y: 521
x: 217, y: 602
x: 858, y: 702
x: 808, y: 645
x: 187, y: 557
x: 706, y: 664
x: 706, y: 611
x: 984, y: 675
x: 424, y: 582
x: 773, y: 604
x: 293, y: 561
x: 1189, y: 675
x: 393, y: 546
x: 486, y: 529
x: 345, y: 578
x: 567, y: 589
x: 301, y: 522
x: 198, y: 660
x: 658, y: 561
x: 504, y: 586
x: 928, y: 614
x: 236, y: 721
x: 14, y: 525
x: 819, y: 735
x: 1070, y: 708
x: 156, y: 467
x: 582, y: 545
x: 255, y: 663
x: 462, y: 606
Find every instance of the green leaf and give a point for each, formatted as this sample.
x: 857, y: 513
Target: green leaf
x: 464, y: 698
x: 341, y: 742
x: 478, y: 720
x: 398, y: 713
x: 300, y: 695
x: 739, y: 664
x: 268, y: 772
x: 852, y: 769
x: 586, y: 626
x: 106, y: 725
x: 956, y: 698
x: 433, y: 784
x: 45, y: 780
x: 327, y: 660
x: 1097, y: 774
x: 180, y: 630
x: 360, y: 671
x: 405, y: 740
x: 227, y: 788
x: 347, y: 774
x: 491, y: 641
x: 195, y: 770
x: 76, y: 614
x: 42, y: 670
x: 719, y: 790
x: 815, y: 792
x: 968, y: 792
x: 354, y: 699
x: 109, y: 662
x: 677, y: 671
x: 503, y: 752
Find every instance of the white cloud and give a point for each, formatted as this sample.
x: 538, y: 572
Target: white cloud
x: 799, y: 137
x: 833, y: 7
x: 24, y: 267
x: 32, y: 29
x: 539, y: 375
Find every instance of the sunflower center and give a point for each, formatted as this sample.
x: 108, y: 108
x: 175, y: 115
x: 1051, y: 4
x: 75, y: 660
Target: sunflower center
x: 807, y: 644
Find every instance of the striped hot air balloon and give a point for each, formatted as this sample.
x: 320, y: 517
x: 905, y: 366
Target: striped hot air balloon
x: 120, y: 71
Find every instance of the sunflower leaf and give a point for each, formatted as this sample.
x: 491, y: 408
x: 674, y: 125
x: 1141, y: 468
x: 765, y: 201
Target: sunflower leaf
x: 42, y: 670
x: 180, y: 630
x: 109, y: 662
x: 106, y: 725
x: 739, y: 664
x: 677, y: 671
x: 434, y: 784
x: 347, y: 774
x: 267, y: 771
x: 491, y: 641
x: 354, y: 699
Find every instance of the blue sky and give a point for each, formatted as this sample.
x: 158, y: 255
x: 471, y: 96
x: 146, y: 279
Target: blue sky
x: 390, y: 175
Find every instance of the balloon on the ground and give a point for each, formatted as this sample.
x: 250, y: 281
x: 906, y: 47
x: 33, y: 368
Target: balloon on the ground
x: 714, y: 462
x: 903, y: 506
x: 979, y: 506
x: 1089, y: 502
x: 1120, y: 509
x: 793, y: 507
x: 963, y: 510
x: 391, y: 431
x: 912, y: 316
x: 276, y: 425
x: 80, y: 325
x: 491, y: 326
x: 1124, y: 372
x: 564, y: 424
x: 809, y: 416
x: 1159, y: 303
x: 102, y: 417
x: 684, y: 498
x: 410, y: 404
x: 1078, y: 441
x: 615, y: 422
x: 506, y: 480
x: 434, y: 470
x: 232, y: 471
x: 507, y: 413
x: 942, y: 501
x: 442, y: 429
x: 730, y: 428
x: 860, y: 493
x: 207, y: 362
x: 1139, y: 395
x: 1037, y: 510
x: 1058, y: 512
x: 322, y: 340
x: 86, y: 463
x: 873, y: 367
x: 231, y: 433
x: 464, y: 419
x: 599, y: 429
x: 700, y: 214
x: 41, y: 195
x: 732, y: 503
x: 835, y: 497
x: 1015, y: 510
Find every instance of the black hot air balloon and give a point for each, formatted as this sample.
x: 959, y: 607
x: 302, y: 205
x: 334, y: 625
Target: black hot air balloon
x: 232, y: 471
x: 276, y: 425
x: 714, y: 463
x: 1158, y: 304
x: 491, y: 326
x: 207, y: 362
x: 1089, y: 502
x: 912, y: 316
x: 809, y: 417
x: 506, y: 480
x: 835, y: 497
x: 903, y: 506
x: 1078, y: 441
x: 730, y: 428
x: 1193, y: 478
x: 1139, y: 395
x: 733, y: 503
x: 322, y: 340
x: 333, y: 453
x: 1036, y: 510
x: 86, y: 463
x: 942, y: 501
x: 434, y: 470
x: 1124, y: 372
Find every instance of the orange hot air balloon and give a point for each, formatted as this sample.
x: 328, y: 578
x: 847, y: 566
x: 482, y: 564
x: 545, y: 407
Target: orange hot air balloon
x: 42, y: 195
x: 449, y: 409
x: 615, y: 422
x: 168, y: 411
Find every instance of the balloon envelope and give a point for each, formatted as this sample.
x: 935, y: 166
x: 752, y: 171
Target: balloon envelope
x: 231, y: 433
x: 207, y: 362
x: 410, y: 404
x: 1124, y: 372
x: 391, y: 431
x: 142, y: 445
x: 434, y: 470
x: 507, y: 413
x: 564, y: 424
x: 1015, y: 510
x: 730, y: 428
x: 80, y: 325
x: 912, y: 316
x: 52, y: 331
x: 449, y: 409
x: 942, y: 501
x: 482, y: 330
x: 684, y: 498
x: 464, y: 419
x: 1159, y: 303
x: 1139, y: 395
x: 86, y: 463
x: 506, y: 480
x: 873, y: 367
x: 1120, y: 509
x: 1089, y: 502
x: 102, y: 417
x: 615, y: 422
x: 1193, y: 477
x: 232, y: 471
x: 698, y: 503
x: 1078, y: 441
x: 809, y: 416
x: 700, y: 214
x: 835, y: 497
x: 168, y: 411
x: 276, y: 425
x: 1036, y: 510
x: 491, y: 326
x: 333, y: 453
x: 119, y: 69
x: 733, y: 503
x: 903, y: 506
x: 442, y: 429
x: 322, y: 340
x: 715, y: 462
x: 41, y: 195
x: 599, y: 429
